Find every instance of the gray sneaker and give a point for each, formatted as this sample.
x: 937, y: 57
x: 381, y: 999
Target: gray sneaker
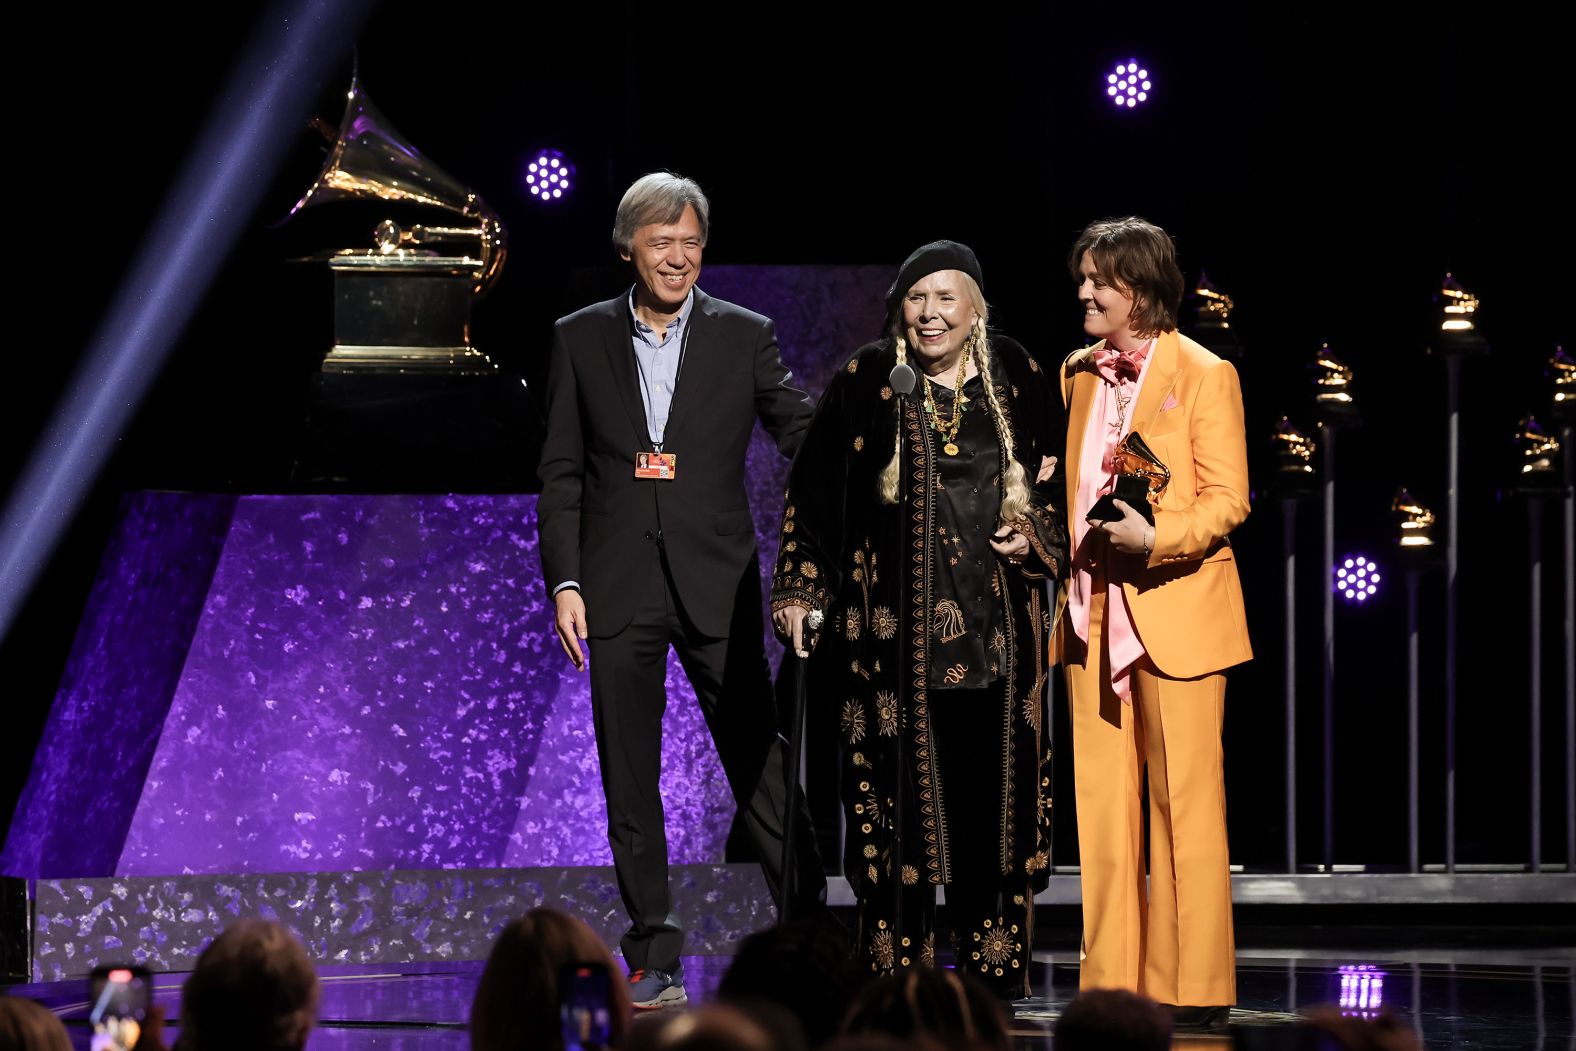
x: 650, y: 989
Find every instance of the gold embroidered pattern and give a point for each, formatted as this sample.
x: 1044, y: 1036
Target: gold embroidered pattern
x: 788, y: 526
x: 927, y: 950
x: 854, y: 721
x: 996, y: 945
x: 886, y: 713
x: 853, y: 367
x: 851, y: 626
x: 792, y: 545
x: 1032, y: 708
x: 932, y: 815
x: 910, y: 875
x: 1036, y: 863
x: 859, y: 443
x: 860, y: 760
x: 886, y: 393
x: 809, y: 570
x: 870, y: 873
x: 955, y: 674
x: 870, y: 851
x: 947, y: 621
x: 864, y: 573
x: 884, y: 623
x: 881, y: 948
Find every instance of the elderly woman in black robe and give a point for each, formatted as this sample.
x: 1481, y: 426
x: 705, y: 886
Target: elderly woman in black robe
x: 920, y: 533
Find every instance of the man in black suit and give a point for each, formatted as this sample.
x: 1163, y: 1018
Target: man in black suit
x: 647, y: 542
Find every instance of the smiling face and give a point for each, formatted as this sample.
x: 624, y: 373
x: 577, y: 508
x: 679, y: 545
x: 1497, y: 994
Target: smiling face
x: 938, y: 313
x: 1108, y: 308
x: 666, y: 257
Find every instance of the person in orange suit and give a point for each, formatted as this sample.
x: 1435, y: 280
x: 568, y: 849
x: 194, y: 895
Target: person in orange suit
x: 1154, y: 616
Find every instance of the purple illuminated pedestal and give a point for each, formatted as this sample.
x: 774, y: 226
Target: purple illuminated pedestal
x: 375, y: 683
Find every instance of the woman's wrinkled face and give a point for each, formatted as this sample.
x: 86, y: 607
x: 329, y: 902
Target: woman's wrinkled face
x: 937, y: 318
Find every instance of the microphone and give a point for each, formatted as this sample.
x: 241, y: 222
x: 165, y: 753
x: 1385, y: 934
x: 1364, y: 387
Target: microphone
x: 902, y: 379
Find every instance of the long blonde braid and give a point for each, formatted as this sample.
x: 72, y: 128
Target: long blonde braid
x: 1015, y: 484
x: 887, y: 483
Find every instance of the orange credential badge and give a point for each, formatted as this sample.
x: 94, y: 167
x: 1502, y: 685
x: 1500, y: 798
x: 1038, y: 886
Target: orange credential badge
x: 660, y: 466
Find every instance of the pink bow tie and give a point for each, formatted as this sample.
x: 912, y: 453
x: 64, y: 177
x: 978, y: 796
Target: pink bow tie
x: 1116, y: 366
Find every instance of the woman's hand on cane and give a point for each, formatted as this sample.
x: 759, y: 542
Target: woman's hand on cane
x: 789, y: 622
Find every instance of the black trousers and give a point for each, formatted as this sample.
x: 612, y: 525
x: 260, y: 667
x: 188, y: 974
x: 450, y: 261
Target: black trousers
x: 732, y: 682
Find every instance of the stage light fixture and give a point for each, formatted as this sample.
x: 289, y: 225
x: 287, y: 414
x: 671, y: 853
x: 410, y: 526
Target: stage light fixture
x: 1362, y: 990
x: 1129, y: 85
x: 549, y: 175
x: 1357, y: 579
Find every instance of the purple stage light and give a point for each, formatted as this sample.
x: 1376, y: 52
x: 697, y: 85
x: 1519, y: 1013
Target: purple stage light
x: 1129, y: 85
x: 549, y: 176
x: 1362, y: 990
x: 1357, y: 579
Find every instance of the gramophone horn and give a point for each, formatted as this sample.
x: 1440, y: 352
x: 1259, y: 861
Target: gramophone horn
x: 370, y: 158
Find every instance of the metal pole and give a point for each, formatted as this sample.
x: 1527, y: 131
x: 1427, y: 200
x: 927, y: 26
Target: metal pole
x: 1328, y: 668
x: 1452, y: 538
x: 1413, y: 858
x: 1535, y: 679
x: 1289, y: 536
x: 1568, y: 459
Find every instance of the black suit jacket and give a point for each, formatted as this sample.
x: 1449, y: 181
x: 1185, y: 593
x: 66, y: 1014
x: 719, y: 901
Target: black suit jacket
x: 599, y: 524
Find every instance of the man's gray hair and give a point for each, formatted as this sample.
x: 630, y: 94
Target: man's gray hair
x: 659, y: 198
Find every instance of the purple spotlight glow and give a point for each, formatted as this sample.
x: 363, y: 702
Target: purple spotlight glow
x: 205, y: 212
x: 1362, y: 990
x: 549, y: 175
x: 1129, y: 85
x: 1357, y: 579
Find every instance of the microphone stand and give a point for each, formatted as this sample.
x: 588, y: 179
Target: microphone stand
x: 902, y: 380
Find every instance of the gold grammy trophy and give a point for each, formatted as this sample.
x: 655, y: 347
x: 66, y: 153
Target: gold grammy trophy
x: 1140, y: 479
x: 400, y: 306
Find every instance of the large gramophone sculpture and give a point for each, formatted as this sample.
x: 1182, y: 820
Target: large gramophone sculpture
x: 401, y: 305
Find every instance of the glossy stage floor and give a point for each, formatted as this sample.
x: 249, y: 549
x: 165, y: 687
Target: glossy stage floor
x: 1486, y: 996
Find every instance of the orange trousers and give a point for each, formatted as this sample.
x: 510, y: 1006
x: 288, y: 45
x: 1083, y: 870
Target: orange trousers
x: 1170, y: 938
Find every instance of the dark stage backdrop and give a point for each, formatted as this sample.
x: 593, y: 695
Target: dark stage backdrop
x: 1326, y: 174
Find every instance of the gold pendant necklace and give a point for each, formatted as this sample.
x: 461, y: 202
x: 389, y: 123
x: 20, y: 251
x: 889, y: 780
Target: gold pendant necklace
x: 949, y: 430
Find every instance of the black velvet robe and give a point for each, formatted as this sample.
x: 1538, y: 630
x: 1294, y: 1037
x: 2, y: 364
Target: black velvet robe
x: 869, y: 565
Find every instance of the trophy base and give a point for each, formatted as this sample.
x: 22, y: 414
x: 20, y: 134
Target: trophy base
x: 1459, y: 345
x: 405, y: 314
x: 418, y: 431
x: 462, y: 360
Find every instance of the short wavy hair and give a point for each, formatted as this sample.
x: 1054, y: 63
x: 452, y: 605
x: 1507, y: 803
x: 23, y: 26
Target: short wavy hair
x: 253, y: 989
x: 1136, y: 256
x: 659, y: 198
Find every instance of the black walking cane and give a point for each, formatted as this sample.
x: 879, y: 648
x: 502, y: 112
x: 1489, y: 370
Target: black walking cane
x: 800, y: 674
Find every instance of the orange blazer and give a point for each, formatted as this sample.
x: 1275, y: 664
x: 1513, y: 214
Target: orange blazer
x: 1186, y: 601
